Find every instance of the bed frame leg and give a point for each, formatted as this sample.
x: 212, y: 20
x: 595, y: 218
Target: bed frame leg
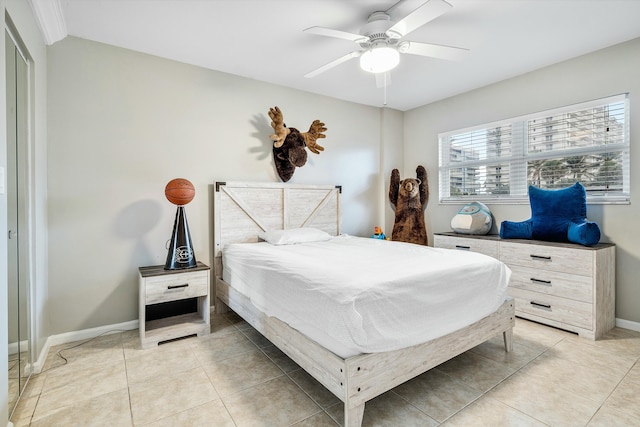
x: 353, y: 416
x: 508, y: 339
x: 220, y: 307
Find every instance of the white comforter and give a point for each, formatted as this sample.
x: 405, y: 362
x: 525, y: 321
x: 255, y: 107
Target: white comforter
x: 357, y: 295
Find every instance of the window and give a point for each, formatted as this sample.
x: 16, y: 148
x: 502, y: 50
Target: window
x: 496, y: 162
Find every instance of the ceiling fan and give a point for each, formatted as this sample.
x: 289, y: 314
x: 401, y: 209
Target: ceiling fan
x: 382, y: 39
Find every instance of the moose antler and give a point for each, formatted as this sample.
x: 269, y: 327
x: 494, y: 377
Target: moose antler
x: 277, y: 123
x: 315, y: 131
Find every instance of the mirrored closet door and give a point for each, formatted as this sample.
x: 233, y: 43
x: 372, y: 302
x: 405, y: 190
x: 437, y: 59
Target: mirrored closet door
x: 18, y: 241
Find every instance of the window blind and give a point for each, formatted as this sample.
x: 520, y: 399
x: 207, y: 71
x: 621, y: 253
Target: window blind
x: 587, y: 142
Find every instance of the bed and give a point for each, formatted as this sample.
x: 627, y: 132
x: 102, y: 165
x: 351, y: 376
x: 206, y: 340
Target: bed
x: 360, y: 370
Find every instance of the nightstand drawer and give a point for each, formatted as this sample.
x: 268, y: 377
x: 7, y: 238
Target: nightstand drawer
x: 551, y: 282
x: 486, y: 247
x: 577, y: 261
x: 176, y: 287
x: 567, y: 311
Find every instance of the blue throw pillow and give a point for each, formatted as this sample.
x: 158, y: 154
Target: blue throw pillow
x: 516, y: 230
x: 556, y: 215
x: 586, y: 233
x: 553, y: 210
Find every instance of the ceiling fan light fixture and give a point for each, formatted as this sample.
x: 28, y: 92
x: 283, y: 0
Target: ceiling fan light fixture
x: 379, y: 59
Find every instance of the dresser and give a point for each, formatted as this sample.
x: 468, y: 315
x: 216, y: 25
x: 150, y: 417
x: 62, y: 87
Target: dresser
x: 158, y: 286
x: 565, y: 285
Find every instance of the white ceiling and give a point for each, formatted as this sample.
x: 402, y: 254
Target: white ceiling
x: 263, y: 39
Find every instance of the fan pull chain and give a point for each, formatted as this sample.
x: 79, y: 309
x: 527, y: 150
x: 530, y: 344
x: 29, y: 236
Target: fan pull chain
x: 385, y: 90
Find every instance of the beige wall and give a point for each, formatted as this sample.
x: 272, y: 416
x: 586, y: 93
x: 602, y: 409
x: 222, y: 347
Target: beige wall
x: 607, y: 72
x: 122, y: 124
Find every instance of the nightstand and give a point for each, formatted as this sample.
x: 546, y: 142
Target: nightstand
x: 159, y: 286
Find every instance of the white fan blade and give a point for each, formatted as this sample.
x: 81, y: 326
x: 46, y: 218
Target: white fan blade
x: 328, y: 32
x: 334, y: 63
x: 383, y: 79
x: 402, y: 8
x: 435, y: 51
x: 416, y: 19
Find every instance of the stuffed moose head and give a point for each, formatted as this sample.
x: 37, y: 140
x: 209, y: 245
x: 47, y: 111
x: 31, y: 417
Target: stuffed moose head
x: 289, y: 144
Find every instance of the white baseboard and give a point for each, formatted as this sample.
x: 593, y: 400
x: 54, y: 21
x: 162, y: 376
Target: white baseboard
x: 84, y: 334
x: 13, y: 347
x: 628, y: 324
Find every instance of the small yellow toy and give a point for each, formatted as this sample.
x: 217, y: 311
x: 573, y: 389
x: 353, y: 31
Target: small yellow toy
x: 378, y: 234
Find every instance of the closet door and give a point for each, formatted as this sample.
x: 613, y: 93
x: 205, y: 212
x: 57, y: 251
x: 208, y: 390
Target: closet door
x: 17, y: 196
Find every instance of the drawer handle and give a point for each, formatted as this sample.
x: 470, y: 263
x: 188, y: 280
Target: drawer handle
x: 540, y: 305
x: 177, y: 286
x: 540, y: 257
x: 540, y: 281
x: 463, y: 247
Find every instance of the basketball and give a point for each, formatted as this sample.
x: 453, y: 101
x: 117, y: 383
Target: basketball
x: 179, y: 191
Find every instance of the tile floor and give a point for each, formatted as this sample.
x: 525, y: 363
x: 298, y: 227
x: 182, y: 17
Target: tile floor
x: 17, y: 361
x: 235, y: 377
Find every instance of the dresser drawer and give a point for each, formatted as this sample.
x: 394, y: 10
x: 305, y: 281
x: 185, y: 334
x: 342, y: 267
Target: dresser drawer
x: 575, y: 261
x: 551, y: 282
x: 570, y: 312
x: 176, y: 287
x: 486, y: 247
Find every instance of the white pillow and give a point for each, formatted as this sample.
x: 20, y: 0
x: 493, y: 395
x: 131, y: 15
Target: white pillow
x: 294, y: 235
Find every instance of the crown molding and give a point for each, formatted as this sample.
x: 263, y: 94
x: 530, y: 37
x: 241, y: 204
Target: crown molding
x: 50, y: 19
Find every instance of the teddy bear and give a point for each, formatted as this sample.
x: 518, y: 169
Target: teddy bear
x: 409, y: 198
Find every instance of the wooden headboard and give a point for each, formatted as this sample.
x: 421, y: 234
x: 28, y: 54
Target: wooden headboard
x: 243, y: 209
